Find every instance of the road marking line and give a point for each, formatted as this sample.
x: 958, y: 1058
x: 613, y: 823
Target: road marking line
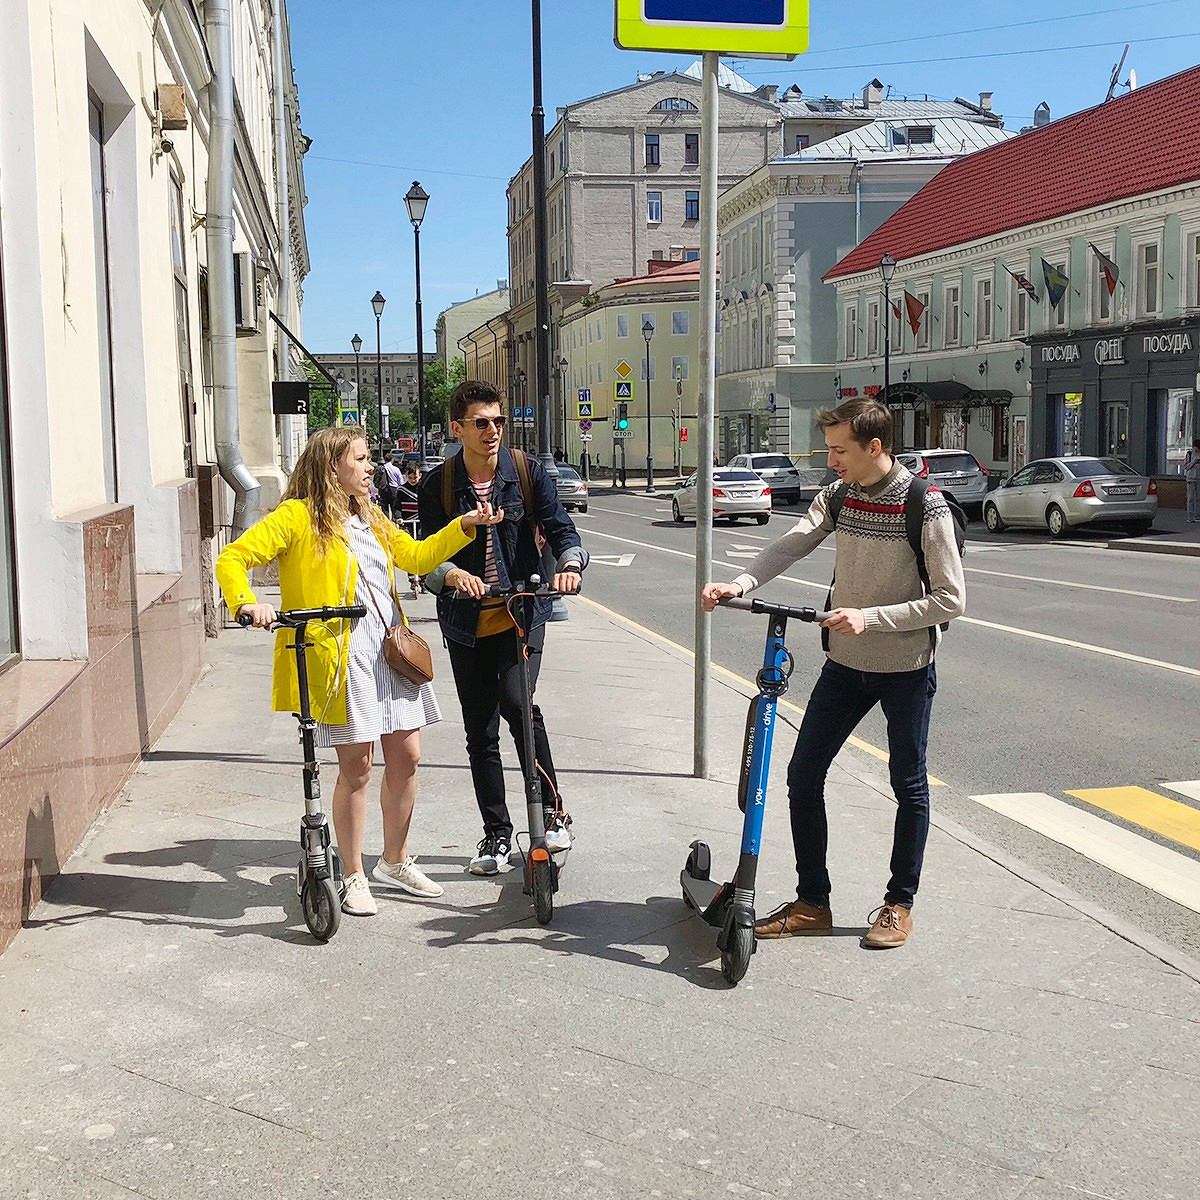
x: 1140, y: 806
x: 1161, y: 870
x: 1185, y: 787
x: 1028, y: 633
x: 1091, y: 587
x: 752, y: 687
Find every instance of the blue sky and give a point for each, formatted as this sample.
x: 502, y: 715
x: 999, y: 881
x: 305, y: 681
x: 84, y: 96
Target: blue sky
x: 397, y: 90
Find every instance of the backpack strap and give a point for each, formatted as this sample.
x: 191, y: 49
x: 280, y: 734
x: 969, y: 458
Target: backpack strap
x: 914, y: 521
x: 525, y: 479
x: 836, y: 500
x: 448, y: 487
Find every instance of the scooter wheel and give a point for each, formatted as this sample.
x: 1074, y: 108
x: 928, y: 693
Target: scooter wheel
x: 542, y: 873
x: 736, y: 958
x: 321, y: 906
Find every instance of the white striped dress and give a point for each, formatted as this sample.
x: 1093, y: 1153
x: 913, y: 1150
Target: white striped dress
x: 377, y: 699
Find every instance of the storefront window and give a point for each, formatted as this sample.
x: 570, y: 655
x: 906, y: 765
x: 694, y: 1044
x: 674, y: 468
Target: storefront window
x: 1069, y: 423
x: 1175, y: 429
x: 8, y: 563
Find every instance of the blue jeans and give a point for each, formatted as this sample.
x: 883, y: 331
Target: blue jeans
x: 839, y: 701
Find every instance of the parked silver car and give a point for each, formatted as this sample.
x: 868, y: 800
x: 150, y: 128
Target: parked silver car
x: 736, y: 493
x: 955, y: 472
x: 777, y: 471
x: 1064, y: 493
x: 572, y: 491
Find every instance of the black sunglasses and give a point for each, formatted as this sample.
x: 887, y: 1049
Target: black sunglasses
x: 482, y: 423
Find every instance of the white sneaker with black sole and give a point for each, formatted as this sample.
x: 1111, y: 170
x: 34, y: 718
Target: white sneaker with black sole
x: 492, y: 855
x: 558, y: 833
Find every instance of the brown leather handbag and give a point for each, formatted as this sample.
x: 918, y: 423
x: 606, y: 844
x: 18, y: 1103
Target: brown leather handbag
x: 406, y: 652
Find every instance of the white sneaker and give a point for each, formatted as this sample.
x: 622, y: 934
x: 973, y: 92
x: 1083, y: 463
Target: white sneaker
x: 558, y: 835
x: 491, y: 857
x: 356, y: 896
x: 406, y: 876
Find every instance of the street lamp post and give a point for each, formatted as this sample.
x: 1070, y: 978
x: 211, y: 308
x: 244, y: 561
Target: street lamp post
x: 416, y: 200
x: 648, y: 334
x: 541, y: 253
x: 377, y: 303
x: 887, y: 268
x: 522, y: 379
x: 562, y: 395
x: 356, y: 346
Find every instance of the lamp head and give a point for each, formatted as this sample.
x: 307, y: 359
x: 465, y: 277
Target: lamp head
x: 416, y: 200
x: 377, y: 303
x: 887, y: 268
x: 647, y: 329
x: 356, y: 342
x: 983, y: 368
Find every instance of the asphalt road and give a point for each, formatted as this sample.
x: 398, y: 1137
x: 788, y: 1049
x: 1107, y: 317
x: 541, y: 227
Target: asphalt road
x: 1076, y: 667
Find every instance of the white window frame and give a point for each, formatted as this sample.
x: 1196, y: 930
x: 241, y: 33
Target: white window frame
x: 681, y: 322
x: 1059, y: 317
x: 951, y: 302
x: 1018, y: 308
x: 677, y: 361
x: 985, y: 310
x: 874, y: 332
x: 921, y: 341
x: 1191, y: 274
x: 622, y: 325
x: 850, y: 331
x: 1103, y: 304
x: 1149, y: 298
x: 651, y: 205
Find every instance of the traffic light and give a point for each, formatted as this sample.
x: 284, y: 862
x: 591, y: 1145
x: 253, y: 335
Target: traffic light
x: 622, y: 415
x: 683, y: 434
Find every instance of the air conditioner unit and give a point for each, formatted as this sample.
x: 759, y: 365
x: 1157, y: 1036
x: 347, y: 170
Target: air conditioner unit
x: 245, y: 292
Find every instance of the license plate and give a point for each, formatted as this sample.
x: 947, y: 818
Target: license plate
x: 1121, y: 491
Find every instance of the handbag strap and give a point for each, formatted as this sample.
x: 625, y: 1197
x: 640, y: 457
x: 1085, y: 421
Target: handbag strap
x: 371, y: 592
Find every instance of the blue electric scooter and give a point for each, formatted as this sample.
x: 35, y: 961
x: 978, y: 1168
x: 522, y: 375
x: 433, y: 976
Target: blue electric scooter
x: 729, y: 907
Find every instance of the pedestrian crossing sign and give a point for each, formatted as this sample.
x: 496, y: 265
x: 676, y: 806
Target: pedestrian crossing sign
x: 349, y: 417
x: 623, y: 389
x: 585, y: 409
x: 748, y: 28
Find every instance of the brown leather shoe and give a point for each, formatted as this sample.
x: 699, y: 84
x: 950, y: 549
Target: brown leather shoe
x: 796, y: 919
x: 890, y: 926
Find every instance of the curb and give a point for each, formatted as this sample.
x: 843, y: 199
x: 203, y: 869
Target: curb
x: 1186, y: 549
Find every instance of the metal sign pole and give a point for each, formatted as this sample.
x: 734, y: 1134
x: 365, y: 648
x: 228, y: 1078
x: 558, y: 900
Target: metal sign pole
x: 705, y: 405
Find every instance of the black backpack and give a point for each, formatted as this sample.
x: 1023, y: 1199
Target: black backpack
x: 914, y: 518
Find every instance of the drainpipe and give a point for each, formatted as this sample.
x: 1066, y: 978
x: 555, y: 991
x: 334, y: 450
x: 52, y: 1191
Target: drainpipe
x: 218, y: 32
x: 283, y: 220
x: 857, y: 168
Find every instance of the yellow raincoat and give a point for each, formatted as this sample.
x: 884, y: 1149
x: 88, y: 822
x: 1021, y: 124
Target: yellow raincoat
x: 308, y: 579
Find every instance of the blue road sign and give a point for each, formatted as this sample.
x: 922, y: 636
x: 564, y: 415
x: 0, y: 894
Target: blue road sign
x: 716, y: 12
x: 585, y: 394
x: 623, y: 389
x: 585, y: 408
x: 349, y: 416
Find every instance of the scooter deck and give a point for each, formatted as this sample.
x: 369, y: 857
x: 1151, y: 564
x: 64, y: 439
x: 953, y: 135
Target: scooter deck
x: 702, y: 893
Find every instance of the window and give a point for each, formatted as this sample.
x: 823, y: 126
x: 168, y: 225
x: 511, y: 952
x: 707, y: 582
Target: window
x: 599, y: 330
x: 850, y: 339
x: 873, y: 327
x: 652, y: 361
x: 911, y: 135
x: 921, y: 341
x: 646, y: 316
x: 1147, y: 279
x: 952, y: 315
x: 1102, y: 301
x: 680, y: 322
x: 983, y: 310
x: 652, y: 150
x: 622, y: 325
x: 551, y: 164
x: 691, y: 206
x: 1060, y: 313
x: 675, y: 104
x: 1018, y: 312
x: 1000, y: 432
x: 691, y: 254
x: 679, y: 368
x: 802, y: 140
x: 183, y: 340
x: 691, y: 148
x: 654, y: 207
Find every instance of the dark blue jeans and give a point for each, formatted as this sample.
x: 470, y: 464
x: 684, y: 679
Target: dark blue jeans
x: 840, y: 700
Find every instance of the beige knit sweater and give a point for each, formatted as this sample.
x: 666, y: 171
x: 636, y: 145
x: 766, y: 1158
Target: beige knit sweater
x: 876, y: 571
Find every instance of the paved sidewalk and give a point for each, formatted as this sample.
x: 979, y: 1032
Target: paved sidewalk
x: 170, y: 1031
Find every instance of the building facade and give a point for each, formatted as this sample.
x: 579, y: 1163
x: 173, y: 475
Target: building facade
x: 398, y: 372
x: 111, y: 505
x: 779, y: 230
x: 455, y: 322
x: 1054, y: 321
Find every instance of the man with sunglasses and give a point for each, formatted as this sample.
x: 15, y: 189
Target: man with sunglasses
x: 479, y: 633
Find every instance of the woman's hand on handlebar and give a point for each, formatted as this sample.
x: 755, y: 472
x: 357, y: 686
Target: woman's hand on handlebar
x: 262, y: 616
x: 482, y: 514
x: 464, y: 581
x: 713, y: 593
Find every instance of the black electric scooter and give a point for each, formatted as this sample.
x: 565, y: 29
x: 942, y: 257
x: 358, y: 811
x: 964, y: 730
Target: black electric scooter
x: 319, y: 874
x: 729, y: 907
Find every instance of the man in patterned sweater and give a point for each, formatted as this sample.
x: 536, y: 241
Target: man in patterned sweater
x: 883, y: 637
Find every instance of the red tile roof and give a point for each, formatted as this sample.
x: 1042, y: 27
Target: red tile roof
x: 1147, y: 140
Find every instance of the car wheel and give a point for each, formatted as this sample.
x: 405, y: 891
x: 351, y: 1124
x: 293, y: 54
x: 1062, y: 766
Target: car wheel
x: 1056, y: 522
x: 583, y: 508
x: 1137, y: 528
x: 992, y: 519
x: 676, y: 515
x: 763, y: 518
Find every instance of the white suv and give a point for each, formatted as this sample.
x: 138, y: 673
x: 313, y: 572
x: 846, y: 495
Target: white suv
x: 777, y: 471
x: 955, y: 472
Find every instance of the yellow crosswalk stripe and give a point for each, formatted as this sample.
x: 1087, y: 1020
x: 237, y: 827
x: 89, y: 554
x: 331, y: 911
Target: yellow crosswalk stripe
x: 1140, y: 806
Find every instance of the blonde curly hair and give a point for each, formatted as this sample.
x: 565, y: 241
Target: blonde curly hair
x: 314, y: 481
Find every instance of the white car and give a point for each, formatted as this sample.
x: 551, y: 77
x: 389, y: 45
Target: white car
x: 736, y: 493
x: 777, y: 471
x: 955, y: 472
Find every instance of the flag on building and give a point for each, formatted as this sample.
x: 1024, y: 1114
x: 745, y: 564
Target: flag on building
x: 915, y: 310
x: 895, y: 307
x: 1057, y: 283
x: 1024, y: 284
x: 1112, y: 273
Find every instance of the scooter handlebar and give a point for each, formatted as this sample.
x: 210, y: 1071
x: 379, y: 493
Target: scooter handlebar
x: 756, y: 605
x: 535, y: 587
x: 292, y: 618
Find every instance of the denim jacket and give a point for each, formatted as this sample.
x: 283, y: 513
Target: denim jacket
x: 517, y: 554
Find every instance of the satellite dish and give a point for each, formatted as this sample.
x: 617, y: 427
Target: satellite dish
x: 1132, y: 79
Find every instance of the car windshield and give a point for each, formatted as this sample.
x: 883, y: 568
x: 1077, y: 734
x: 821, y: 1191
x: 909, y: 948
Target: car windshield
x: 1085, y: 468
x: 567, y: 473
x: 759, y: 461
x: 731, y: 476
x: 941, y: 464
